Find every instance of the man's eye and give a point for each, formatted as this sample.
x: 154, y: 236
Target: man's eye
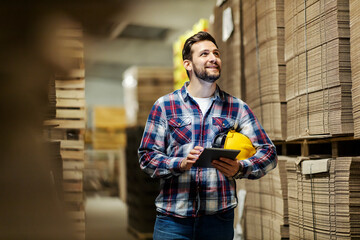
x: 203, y: 54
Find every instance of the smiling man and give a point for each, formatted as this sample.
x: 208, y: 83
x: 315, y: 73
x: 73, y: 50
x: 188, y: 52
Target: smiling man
x: 194, y: 202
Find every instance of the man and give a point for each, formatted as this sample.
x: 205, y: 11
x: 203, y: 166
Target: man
x: 198, y: 203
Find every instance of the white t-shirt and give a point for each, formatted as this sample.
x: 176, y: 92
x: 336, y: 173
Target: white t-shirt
x: 204, y: 103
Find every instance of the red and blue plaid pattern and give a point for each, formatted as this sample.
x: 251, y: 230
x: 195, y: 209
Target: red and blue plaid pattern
x: 174, y: 127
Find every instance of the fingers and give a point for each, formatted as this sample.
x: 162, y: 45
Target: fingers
x: 228, y: 161
x: 191, y: 158
x: 199, y: 148
x: 226, y: 166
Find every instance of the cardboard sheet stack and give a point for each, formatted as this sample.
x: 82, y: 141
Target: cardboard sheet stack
x: 264, y: 65
x: 142, y: 87
x: 318, y: 76
x: 324, y: 198
x: 109, y: 125
x: 141, y: 189
x: 355, y: 65
x: 51, y: 99
x: 70, y: 121
x: 266, y: 208
x: 228, y: 14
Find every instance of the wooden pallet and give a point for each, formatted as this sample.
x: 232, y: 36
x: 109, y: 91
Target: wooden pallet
x: 322, y: 146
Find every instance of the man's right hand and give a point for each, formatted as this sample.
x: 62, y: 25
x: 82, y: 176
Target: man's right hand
x: 191, y: 158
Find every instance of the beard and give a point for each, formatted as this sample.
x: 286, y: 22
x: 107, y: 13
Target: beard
x: 203, y: 75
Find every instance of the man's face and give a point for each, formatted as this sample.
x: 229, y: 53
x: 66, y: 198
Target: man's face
x: 206, y: 61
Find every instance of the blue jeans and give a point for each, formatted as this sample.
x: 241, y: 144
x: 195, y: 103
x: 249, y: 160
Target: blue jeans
x: 217, y: 227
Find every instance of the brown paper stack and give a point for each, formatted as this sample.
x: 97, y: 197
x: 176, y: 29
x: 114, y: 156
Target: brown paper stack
x: 266, y: 205
x: 264, y: 65
x: 294, y: 227
x: 69, y: 124
x: 109, y: 127
x: 142, y: 87
x: 230, y: 50
x: 347, y: 198
x: 318, y: 76
x: 355, y: 65
x: 324, y: 203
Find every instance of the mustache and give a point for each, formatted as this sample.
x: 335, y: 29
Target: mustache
x: 213, y: 65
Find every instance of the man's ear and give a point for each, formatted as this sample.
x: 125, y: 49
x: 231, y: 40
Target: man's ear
x: 187, y: 65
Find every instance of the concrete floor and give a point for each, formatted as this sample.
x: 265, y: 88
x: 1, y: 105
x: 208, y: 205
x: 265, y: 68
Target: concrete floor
x: 106, y: 219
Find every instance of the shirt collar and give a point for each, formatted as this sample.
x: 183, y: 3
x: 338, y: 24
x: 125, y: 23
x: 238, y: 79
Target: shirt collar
x: 218, y: 95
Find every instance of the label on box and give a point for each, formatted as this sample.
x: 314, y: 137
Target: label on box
x: 315, y: 166
x: 227, y: 24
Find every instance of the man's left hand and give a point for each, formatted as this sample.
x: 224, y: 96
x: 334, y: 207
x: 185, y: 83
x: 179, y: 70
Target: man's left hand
x: 227, y: 166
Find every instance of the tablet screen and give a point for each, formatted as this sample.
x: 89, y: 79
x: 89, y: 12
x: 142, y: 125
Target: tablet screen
x: 210, y: 154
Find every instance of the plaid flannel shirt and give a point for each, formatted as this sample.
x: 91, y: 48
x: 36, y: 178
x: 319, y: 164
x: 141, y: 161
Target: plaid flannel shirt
x: 174, y: 127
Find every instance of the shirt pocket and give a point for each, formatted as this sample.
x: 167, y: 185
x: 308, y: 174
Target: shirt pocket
x: 222, y: 124
x: 180, y: 129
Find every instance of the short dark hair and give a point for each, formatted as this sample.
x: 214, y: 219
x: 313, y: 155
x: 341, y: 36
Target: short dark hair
x: 200, y: 36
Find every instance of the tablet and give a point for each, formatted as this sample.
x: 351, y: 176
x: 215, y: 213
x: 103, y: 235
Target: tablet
x: 210, y: 154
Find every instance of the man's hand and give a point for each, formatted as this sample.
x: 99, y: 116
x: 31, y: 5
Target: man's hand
x: 191, y: 158
x: 227, y: 166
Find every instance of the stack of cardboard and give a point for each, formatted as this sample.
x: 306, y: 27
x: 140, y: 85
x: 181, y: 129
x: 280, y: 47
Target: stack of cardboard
x: 315, y: 192
x: 355, y: 65
x: 324, y: 198
x: 318, y: 76
x: 141, y: 189
x: 69, y: 124
x: 142, y: 87
x: 293, y: 195
x: 266, y: 205
x: 109, y: 128
x: 52, y: 100
x: 228, y: 14
x: 264, y: 65
x: 347, y: 198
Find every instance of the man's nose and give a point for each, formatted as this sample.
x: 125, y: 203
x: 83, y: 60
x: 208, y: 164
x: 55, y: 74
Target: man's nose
x: 212, y: 57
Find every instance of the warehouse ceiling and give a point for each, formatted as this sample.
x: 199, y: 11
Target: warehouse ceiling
x: 140, y: 32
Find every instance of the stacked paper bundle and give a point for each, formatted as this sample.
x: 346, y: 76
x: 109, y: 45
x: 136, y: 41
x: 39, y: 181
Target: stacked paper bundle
x: 141, y: 190
x: 347, y: 197
x: 227, y: 32
x: 355, y: 65
x: 142, y: 87
x: 293, y: 194
x: 264, y: 65
x: 324, y: 198
x: 318, y: 76
x: 316, y: 199
x: 52, y: 100
x: 266, y: 205
x: 109, y: 125
x: 70, y: 121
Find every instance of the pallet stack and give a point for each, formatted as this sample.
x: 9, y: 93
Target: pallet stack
x: 355, y: 65
x: 69, y: 124
x: 323, y: 198
x: 267, y: 205
x: 318, y: 75
x: 109, y: 128
x: 142, y: 87
x: 264, y: 65
x: 230, y: 49
x: 141, y: 189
